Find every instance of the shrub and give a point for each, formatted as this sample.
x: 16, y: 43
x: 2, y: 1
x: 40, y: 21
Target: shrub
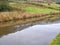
x: 4, y: 5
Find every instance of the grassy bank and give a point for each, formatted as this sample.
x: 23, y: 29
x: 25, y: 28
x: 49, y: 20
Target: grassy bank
x: 56, y: 41
x: 44, y: 8
x: 41, y: 10
x: 27, y: 11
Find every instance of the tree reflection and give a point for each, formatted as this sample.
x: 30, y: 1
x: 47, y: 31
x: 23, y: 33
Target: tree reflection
x: 6, y: 30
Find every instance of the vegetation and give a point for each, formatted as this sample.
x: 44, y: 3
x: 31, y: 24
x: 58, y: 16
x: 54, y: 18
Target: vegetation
x: 56, y: 41
x: 27, y: 10
x: 4, y: 6
x: 33, y: 8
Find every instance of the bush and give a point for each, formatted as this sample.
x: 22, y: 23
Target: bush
x: 4, y: 8
x: 4, y: 5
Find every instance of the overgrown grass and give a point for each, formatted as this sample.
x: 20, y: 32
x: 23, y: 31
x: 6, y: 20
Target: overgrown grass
x: 52, y: 5
x: 35, y: 9
x: 56, y: 41
x: 31, y: 8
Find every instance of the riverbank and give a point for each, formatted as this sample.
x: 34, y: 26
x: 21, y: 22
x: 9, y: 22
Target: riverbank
x: 56, y: 41
x: 17, y: 15
x: 32, y: 19
x: 23, y: 11
x: 29, y: 10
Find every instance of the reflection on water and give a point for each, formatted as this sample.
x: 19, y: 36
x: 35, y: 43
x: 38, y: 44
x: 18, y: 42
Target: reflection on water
x: 32, y: 20
x: 6, y: 30
x: 12, y: 29
x: 33, y: 35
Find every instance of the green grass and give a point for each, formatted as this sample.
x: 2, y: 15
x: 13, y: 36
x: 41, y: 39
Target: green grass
x: 55, y: 5
x: 56, y: 41
x: 52, y: 5
x: 35, y: 9
x: 31, y: 8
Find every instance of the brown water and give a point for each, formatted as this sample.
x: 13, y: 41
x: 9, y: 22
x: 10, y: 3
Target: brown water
x: 28, y: 34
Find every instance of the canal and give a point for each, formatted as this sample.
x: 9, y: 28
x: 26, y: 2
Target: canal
x: 38, y: 33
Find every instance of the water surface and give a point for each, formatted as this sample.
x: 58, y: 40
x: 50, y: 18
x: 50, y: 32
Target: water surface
x: 29, y: 34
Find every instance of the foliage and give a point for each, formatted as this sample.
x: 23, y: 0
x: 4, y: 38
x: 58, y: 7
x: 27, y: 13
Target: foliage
x: 4, y: 5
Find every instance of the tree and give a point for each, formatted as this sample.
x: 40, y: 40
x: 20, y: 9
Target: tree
x: 3, y: 5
